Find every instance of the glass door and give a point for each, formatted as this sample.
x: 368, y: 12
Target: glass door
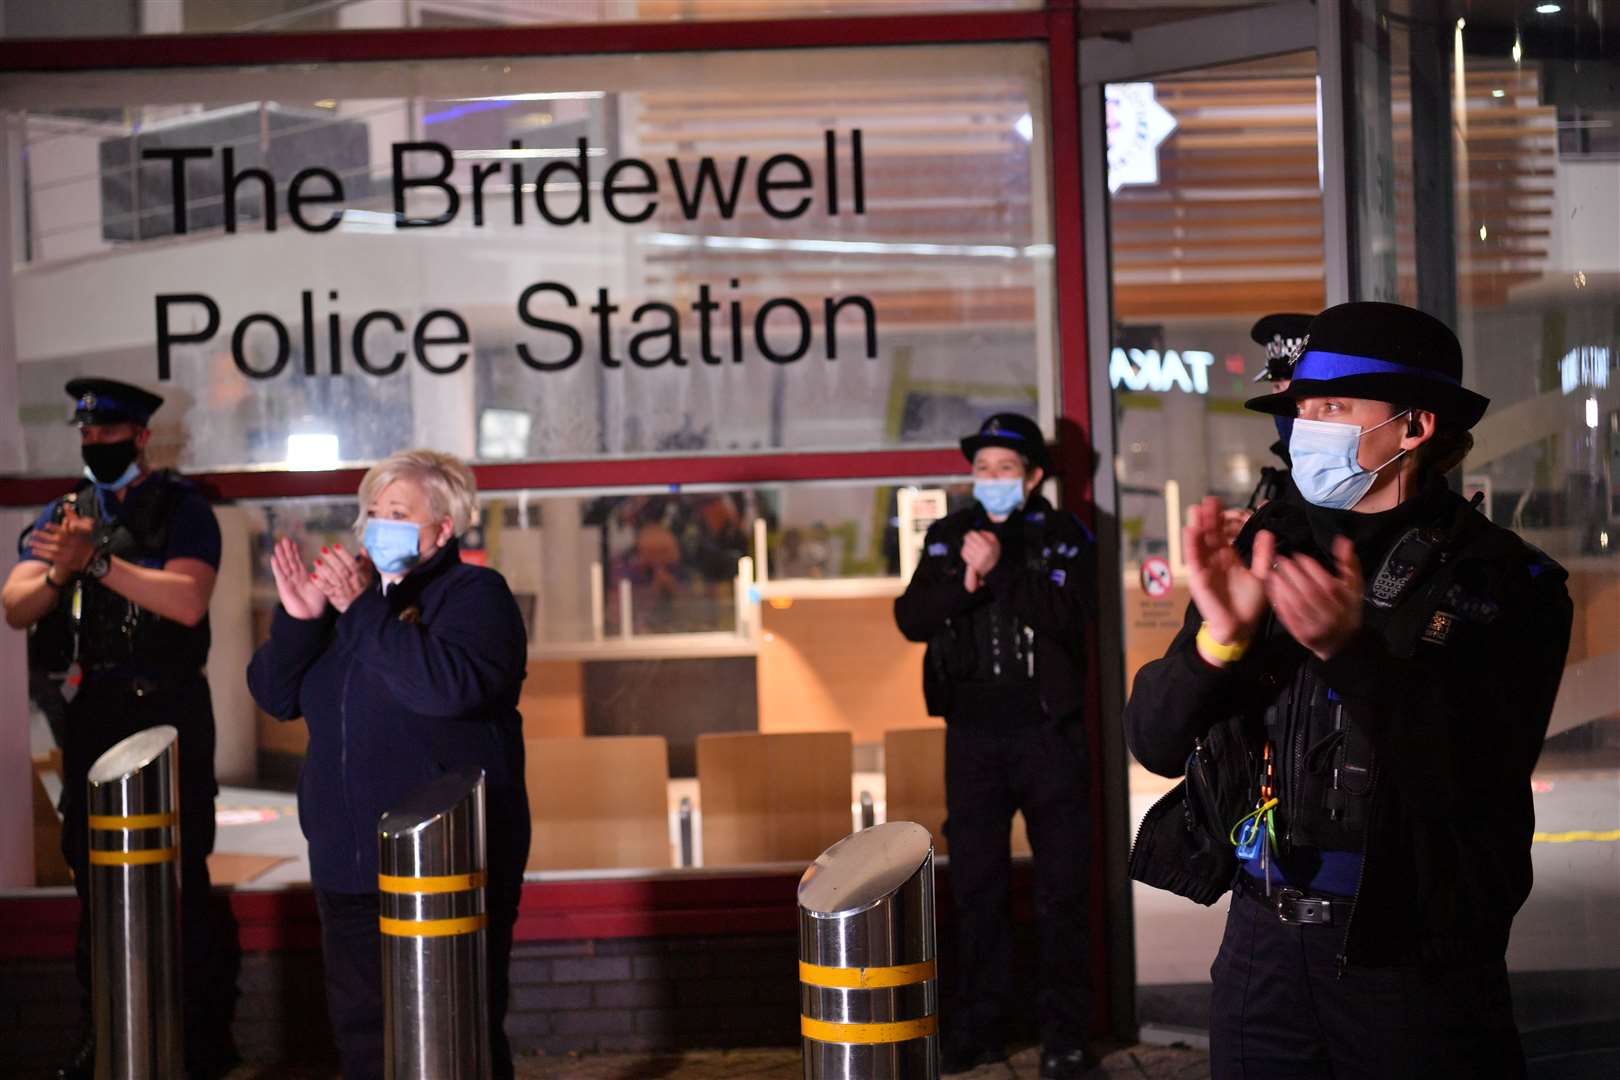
x: 1225, y: 227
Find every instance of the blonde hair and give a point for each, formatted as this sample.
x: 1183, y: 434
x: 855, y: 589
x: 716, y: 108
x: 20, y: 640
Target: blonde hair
x: 451, y: 490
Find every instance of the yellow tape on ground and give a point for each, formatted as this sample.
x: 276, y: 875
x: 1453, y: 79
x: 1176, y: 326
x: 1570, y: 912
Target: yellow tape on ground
x: 1573, y: 837
x: 867, y: 978
x: 132, y: 858
x: 426, y: 885
x: 893, y: 1032
x: 432, y: 927
x: 134, y: 821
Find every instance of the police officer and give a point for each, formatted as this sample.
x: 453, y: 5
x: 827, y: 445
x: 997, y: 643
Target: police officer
x: 1001, y: 595
x: 1358, y: 697
x: 1280, y: 335
x: 116, y: 577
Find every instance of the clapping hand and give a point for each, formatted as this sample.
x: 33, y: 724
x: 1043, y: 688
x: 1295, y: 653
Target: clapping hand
x: 1230, y: 595
x: 341, y: 576
x: 1321, y: 610
x: 295, y: 586
x: 69, y: 543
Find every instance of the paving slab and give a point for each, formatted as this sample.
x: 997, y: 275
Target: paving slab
x: 1140, y: 1062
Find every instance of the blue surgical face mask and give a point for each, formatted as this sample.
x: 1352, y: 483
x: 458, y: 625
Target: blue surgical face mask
x: 393, y: 546
x: 999, y: 497
x: 1325, y: 465
x: 125, y: 478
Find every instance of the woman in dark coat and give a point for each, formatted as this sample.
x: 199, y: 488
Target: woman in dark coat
x: 406, y: 663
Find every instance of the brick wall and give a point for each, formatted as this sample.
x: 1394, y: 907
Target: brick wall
x: 655, y: 994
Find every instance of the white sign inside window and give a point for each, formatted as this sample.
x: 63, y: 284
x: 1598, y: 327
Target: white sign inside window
x: 1137, y: 124
x: 1148, y: 369
x: 1585, y: 366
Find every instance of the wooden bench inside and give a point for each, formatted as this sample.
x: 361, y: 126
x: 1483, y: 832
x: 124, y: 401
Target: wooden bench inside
x: 773, y: 798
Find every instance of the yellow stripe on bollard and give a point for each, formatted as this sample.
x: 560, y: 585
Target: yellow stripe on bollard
x: 432, y: 927
x: 430, y: 885
x: 132, y: 858
x: 134, y: 821
x: 867, y: 978
x: 1577, y: 836
x: 868, y: 1034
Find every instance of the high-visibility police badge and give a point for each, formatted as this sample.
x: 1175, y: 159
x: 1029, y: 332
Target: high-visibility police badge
x: 1439, y: 628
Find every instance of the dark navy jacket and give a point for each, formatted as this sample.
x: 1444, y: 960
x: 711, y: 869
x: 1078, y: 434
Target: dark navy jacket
x: 396, y: 691
x: 1043, y: 586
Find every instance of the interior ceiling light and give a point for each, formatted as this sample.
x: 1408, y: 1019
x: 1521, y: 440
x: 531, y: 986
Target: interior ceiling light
x: 1498, y: 93
x: 1548, y: 9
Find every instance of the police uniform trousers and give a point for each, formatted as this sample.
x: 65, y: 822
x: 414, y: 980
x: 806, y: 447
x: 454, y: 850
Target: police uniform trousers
x: 107, y: 710
x: 1042, y: 769
x: 351, y: 956
x: 1280, y: 1011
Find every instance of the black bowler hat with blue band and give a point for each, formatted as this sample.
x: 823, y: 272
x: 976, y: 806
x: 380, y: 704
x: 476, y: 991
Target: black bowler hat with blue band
x: 1015, y: 432
x: 108, y: 401
x: 1380, y: 352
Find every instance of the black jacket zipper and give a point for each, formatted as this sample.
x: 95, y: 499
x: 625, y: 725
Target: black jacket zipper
x: 1290, y: 767
x: 1151, y: 815
x: 1342, y: 959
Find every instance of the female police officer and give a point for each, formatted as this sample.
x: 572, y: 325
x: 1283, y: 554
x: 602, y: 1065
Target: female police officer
x: 1358, y: 697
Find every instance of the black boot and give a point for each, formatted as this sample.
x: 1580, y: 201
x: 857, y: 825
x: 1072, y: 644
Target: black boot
x: 82, y: 1065
x: 1066, y: 1064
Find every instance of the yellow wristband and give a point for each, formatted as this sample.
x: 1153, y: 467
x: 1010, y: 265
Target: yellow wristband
x: 1225, y: 653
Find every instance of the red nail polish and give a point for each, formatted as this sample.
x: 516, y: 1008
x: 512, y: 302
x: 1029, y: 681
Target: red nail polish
x: 323, y: 551
x: 317, y: 562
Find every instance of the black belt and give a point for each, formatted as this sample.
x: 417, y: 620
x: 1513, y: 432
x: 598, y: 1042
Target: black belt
x: 1294, y: 907
x: 144, y: 683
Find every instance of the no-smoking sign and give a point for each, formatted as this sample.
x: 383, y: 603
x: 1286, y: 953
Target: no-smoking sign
x: 1156, y: 578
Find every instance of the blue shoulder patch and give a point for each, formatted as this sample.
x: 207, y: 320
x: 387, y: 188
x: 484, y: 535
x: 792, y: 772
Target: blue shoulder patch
x: 937, y: 548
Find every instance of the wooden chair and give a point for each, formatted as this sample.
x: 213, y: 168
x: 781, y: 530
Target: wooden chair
x: 773, y: 798
x: 598, y: 803
x: 914, y: 782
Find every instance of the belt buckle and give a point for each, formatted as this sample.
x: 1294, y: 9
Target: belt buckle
x: 1296, y: 909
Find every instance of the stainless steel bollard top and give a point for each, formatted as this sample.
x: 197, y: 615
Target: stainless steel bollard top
x: 868, y: 986
x: 132, y: 793
x: 431, y: 862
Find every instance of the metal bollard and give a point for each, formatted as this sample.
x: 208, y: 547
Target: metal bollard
x: 868, y: 991
x: 431, y: 863
x: 133, y: 799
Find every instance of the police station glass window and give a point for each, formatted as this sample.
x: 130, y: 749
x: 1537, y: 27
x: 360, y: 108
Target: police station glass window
x: 539, y: 259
